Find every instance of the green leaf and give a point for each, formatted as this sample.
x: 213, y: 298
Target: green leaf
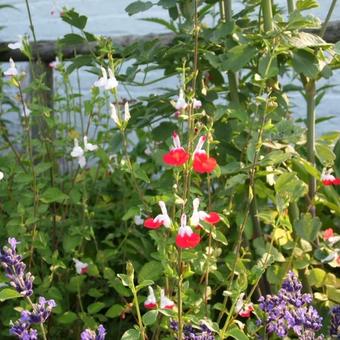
x: 114, y: 311
x: 308, y: 227
x: 303, y: 5
x: 131, y: 334
x: 150, y: 317
x: 150, y: 271
x: 325, y: 153
x: 304, y: 39
x: 8, y: 293
x: 143, y: 284
x: 138, y: 6
x: 337, y: 48
x: 238, y: 56
x: 95, y: 307
x: 218, y: 236
x: 162, y: 22
x: 67, y: 318
x: 237, y: 334
x: 53, y: 195
x: 290, y: 187
x: 131, y: 213
x: 316, y: 277
x: 235, y: 180
x: 306, y: 63
x: 167, y: 3
x: 268, y: 66
x: 74, y: 19
x: 72, y: 39
x: 140, y: 173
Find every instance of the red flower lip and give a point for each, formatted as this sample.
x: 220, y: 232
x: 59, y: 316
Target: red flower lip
x: 150, y: 305
x: 188, y: 241
x: 203, y: 163
x: 150, y: 223
x: 328, y: 233
x: 176, y: 157
x: 213, y: 218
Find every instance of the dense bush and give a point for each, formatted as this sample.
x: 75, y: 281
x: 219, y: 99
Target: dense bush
x: 202, y: 212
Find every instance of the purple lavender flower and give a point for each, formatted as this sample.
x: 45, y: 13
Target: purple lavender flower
x: 15, y: 269
x: 335, y: 322
x: 289, y: 310
x: 41, y: 311
x: 22, y: 330
x: 193, y: 333
x: 89, y: 334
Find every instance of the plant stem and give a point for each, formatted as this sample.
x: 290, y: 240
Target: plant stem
x: 31, y: 21
x: 328, y: 17
x: 179, y: 296
x: 291, y: 6
x: 267, y: 15
x: 139, y: 316
x: 40, y: 324
x: 310, y: 89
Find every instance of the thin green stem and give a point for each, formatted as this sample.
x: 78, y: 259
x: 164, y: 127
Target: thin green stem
x: 179, y: 296
x: 40, y: 324
x: 139, y: 316
x: 328, y: 17
x: 31, y: 21
x: 310, y: 89
x: 291, y: 6
x: 267, y: 15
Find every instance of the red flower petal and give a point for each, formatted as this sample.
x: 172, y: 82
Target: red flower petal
x: 203, y: 163
x: 213, y: 218
x: 150, y: 305
x: 187, y: 241
x: 176, y: 157
x: 336, y: 181
x: 246, y: 312
x: 84, y: 270
x: 169, y: 307
x: 328, y: 233
x: 151, y: 224
x: 327, y: 182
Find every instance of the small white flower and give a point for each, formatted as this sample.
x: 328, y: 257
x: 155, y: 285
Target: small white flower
x: 18, y: 45
x: 197, y: 215
x: 78, y: 152
x: 184, y: 229
x: 199, y: 145
x: 81, y: 267
x: 54, y: 64
x: 107, y: 83
x: 12, y: 70
x: 150, y: 301
x: 138, y: 220
x: 1, y: 175
x: 181, y: 104
x: 333, y: 239
x: 114, y: 114
x: 196, y: 104
x: 25, y: 111
x: 89, y: 146
x: 163, y: 217
x: 127, y: 114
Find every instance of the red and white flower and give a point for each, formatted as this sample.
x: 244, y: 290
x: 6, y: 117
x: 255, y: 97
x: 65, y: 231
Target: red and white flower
x: 159, y: 220
x: 18, y: 45
x: 81, y: 267
x: 177, y: 156
x: 107, y: 82
x: 243, y: 309
x: 202, y: 162
x: 328, y: 233
x: 200, y: 215
x: 55, y: 63
x: 328, y: 179
x: 150, y: 302
x: 186, y: 238
x: 12, y: 70
x: 166, y: 303
x: 78, y: 152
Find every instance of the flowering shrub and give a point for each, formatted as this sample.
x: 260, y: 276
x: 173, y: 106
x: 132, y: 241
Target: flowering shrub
x: 197, y: 212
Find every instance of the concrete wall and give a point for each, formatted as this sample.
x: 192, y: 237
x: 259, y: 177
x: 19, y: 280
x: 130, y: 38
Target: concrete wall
x: 108, y: 17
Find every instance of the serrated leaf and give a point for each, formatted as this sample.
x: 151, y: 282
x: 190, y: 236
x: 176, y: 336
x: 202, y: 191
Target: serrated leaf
x: 308, y: 227
x: 237, y: 334
x: 74, y: 19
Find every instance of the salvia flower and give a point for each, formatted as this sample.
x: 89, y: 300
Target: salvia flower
x: 166, y: 303
x: 15, y: 269
x: 196, y: 104
x: 18, y: 45
x: 89, y: 334
x: 289, y: 310
x: 328, y: 233
x: 81, y: 267
x: 243, y: 309
x: 335, y: 322
x: 159, y: 220
x: 186, y: 238
x: 202, y: 162
x: 177, y: 156
x: 78, y: 152
x: 200, y: 215
x: 55, y: 63
x: 328, y: 179
x: 88, y: 146
x: 193, y: 333
x: 150, y: 302
x: 127, y: 114
x: 12, y: 70
x: 181, y: 104
x: 107, y: 82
